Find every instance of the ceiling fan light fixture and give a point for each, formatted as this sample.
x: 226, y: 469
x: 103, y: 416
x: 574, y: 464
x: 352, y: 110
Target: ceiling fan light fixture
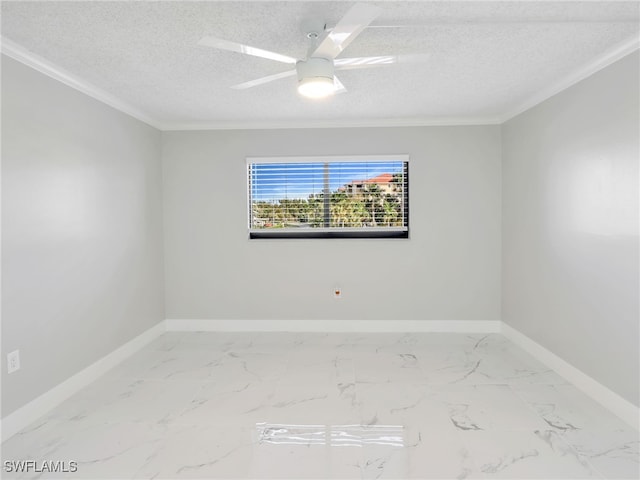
x: 316, y: 87
x: 315, y: 77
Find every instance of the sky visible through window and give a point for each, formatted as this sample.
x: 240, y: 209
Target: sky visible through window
x: 271, y: 182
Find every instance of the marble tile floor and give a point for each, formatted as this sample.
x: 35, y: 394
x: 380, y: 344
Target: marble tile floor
x: 351, y: 406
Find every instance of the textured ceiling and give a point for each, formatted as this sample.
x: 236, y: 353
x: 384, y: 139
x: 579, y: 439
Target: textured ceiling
x: 486, y: 59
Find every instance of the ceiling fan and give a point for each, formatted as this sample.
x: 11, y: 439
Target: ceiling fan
x: 316, y: 78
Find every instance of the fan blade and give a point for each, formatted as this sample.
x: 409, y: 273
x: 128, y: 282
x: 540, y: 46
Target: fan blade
x: 347, y: 29
x: 381, y: 61
x: 246, y: 49
x: 263, y: 80
x: 338, y: 86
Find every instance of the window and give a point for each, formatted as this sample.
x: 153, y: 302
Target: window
x: 326, y: 197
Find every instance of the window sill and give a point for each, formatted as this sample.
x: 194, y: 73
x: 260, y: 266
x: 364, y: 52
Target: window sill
x: 329, y: 233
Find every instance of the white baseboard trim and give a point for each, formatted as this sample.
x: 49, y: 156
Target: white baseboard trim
x: 452, y: 326
x: 21, y: 418
x: 607, y: 398
x: 38, y: 407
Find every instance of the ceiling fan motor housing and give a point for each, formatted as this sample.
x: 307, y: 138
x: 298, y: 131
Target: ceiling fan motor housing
x: 314, y: 68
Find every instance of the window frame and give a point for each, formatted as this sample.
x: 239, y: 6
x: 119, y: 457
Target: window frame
x: 330, y: 232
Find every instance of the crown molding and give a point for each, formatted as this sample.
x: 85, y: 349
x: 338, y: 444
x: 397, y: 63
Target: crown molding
x: 613, y: 55
x: 26, y: 57
x: 22, y: 55
x: 360, y: 123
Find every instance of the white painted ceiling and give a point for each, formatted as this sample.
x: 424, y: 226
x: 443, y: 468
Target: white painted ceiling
x: 488, y: 60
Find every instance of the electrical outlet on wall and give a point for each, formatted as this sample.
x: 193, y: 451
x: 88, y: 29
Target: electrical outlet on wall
x: 13, y: 361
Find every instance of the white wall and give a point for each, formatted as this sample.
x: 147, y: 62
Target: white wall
x: 82, y: 260
x: 448, y: 270
x: 570, y: 225
x: 83, y: 264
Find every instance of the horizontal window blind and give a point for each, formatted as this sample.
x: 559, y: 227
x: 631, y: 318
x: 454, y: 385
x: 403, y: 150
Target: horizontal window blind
x: 328, y: 197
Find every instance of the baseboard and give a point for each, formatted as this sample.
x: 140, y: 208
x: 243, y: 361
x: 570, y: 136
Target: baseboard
x: 38, y: 407
x: 606, y: 397
x: 453, y: 326
x: 16, y: 421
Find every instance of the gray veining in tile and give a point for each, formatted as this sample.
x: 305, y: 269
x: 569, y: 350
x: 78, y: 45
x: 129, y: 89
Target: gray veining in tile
x: 329, y: 405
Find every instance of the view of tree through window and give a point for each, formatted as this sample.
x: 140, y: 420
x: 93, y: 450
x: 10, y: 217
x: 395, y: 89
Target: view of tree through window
x: 328, y: 196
